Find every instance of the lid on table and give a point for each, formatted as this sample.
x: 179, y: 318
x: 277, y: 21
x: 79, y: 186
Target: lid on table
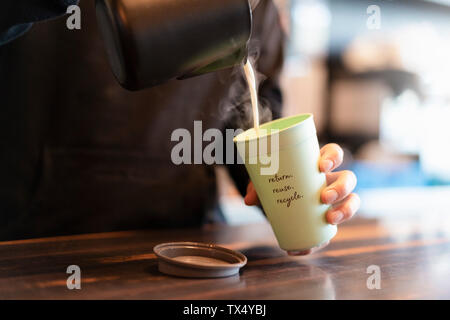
x: 198, y: 260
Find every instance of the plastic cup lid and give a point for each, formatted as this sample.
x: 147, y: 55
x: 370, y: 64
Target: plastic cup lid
x: 198, y: 260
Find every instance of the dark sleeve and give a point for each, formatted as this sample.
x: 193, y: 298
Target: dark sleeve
x: 17, y: 16
x: 268, y: 39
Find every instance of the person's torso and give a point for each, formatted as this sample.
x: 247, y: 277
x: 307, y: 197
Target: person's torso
x: 81, y: 154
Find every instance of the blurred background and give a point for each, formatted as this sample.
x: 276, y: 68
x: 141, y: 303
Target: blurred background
x: 376, y: 76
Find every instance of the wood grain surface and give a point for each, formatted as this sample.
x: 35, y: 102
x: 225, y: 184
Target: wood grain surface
x: 413, y: 258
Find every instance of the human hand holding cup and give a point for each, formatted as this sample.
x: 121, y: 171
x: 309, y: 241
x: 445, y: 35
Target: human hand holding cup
x: 301, y: 180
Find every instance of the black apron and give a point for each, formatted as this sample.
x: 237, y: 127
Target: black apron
x: 80, y: 154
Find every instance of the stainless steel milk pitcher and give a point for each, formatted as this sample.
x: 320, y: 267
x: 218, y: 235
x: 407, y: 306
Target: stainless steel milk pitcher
x: 149, y: 42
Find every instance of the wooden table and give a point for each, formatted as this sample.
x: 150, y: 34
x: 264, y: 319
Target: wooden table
x: 413, y: 259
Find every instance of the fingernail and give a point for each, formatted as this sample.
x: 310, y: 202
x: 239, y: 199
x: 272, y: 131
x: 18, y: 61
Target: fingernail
x: 327, y: 165
x: 330, y: 196
x: 337, y: 217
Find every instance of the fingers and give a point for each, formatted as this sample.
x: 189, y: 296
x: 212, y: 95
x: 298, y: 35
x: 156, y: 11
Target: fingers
x: 341, y: 184
x: 331, y: 157
x: 344, y: 210
x: 251, y: 198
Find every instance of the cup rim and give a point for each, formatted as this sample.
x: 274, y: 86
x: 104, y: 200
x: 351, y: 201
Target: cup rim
x: 242, y: 136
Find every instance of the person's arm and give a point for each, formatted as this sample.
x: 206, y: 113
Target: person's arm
x: 268, y: 39
x: 17, y: 16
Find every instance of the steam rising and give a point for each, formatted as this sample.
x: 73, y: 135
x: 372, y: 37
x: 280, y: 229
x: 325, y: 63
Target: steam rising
x: 237, y: 108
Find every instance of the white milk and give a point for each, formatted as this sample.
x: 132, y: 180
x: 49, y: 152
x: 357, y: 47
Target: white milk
x: 251, y: 80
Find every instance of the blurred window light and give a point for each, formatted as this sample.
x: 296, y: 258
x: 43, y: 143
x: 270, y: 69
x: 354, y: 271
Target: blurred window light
x: 417, y: 47
x: 392, y: 205
x: 400, y: 123
x: 416, y: 128
x: 444, y: 2
x: 425, y: 51
x: 310, y: 27
x: 435, y: 141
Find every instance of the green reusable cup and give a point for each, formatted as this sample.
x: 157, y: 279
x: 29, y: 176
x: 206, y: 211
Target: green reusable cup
x: 283, y: 164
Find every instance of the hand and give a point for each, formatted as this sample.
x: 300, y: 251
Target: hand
x: 338, y: 192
